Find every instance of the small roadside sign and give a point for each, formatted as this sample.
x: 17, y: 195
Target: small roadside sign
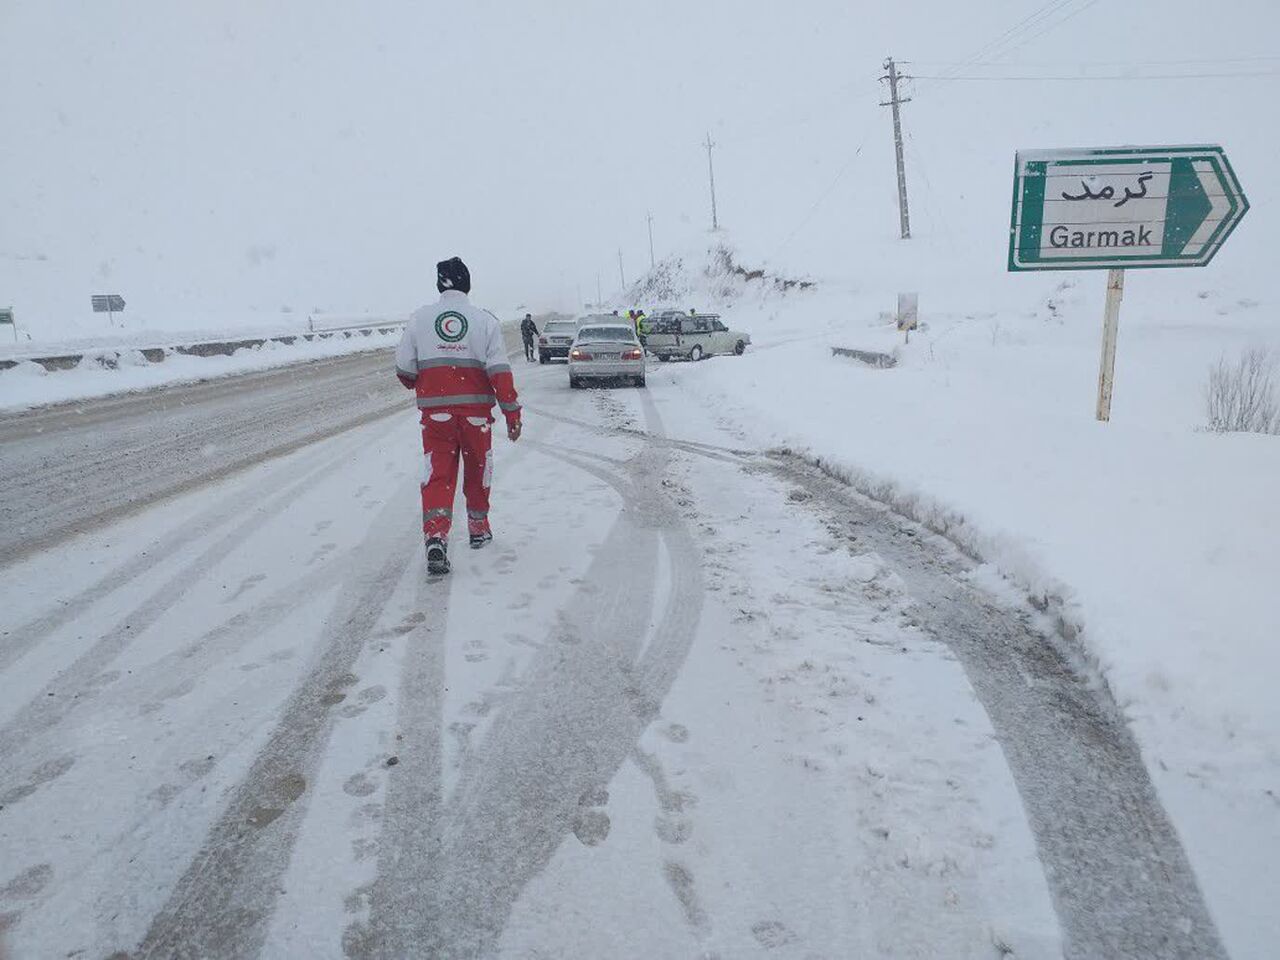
x: 6, y: 316
x: 108, y: 303
x: 1118, y: 208
x: 908, y: 317
x: 1122, y: 207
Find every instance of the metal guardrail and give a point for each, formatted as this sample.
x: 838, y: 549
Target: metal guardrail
x: 366, y: 325
x: 213, y: 348
x: 871, y: 358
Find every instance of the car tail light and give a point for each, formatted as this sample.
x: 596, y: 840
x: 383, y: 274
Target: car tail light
x: 633, y: 355
x: 579, y: 355
x: 542, y: 341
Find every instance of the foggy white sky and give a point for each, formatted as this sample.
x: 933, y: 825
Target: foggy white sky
x: 254, y: 153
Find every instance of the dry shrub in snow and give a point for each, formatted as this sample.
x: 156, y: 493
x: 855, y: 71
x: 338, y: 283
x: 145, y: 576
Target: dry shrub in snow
x: 1242, y: 397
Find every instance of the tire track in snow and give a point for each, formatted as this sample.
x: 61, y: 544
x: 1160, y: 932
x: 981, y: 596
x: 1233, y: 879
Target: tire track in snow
x: 307, y: 404
x: 74, y: 688
x: 1119, y: 878
x: 404, y: 899
x: 562, y: 737
x: 228, y: 507
x: 515, y: 800
x: 222, y: 905
x: 654, y: 434
x: 175, y: 674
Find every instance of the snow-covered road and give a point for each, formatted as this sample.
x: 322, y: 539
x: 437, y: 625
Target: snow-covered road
x: 73, y: 466
x: 694, y: 701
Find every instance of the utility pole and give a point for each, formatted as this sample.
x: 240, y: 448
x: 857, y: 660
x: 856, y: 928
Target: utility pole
x: 711, y: 171
x: 895, y: 101
x: 652, y: 264
x: 599, y: 299
x: 621, y: 276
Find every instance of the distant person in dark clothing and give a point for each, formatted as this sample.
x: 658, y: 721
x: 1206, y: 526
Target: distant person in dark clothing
x: 528, y: 331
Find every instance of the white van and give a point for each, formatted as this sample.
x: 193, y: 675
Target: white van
x: 693, y: 336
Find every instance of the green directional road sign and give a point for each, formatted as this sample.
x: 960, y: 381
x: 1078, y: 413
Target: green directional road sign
x: 1124, y: 207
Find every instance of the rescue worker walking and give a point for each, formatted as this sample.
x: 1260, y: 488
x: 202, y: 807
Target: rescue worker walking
x: 528, y: 330
x: 452, y: 356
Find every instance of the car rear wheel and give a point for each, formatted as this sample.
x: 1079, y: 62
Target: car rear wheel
x: 574, y: 383
x: 739, y: 348
x: 663, y: 358
x: 696, y: 353
x: 639, y: 381
x: 543, y: 358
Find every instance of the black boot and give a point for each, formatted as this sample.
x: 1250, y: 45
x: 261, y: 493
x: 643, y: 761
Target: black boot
x: 437, y: 558
x: 478, y: 540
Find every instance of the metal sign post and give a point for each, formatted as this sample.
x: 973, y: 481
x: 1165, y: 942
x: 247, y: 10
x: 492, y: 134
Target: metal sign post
x: 1121, y: 208
x: 108, y: 303
x: 1110, y: 327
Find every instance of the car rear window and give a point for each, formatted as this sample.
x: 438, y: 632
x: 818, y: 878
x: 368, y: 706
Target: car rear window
x: 611, y: 334
x: 560, y: 326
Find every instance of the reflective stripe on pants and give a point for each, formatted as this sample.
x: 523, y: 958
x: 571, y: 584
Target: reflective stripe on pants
x: 446, y: 438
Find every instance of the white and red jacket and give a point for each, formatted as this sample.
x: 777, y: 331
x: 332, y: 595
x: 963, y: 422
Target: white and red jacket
x: 453, y: 357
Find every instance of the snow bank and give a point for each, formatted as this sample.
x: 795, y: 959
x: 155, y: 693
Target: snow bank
x: 71, y: 335
x: 105, y: 371
x: 1153, y: 540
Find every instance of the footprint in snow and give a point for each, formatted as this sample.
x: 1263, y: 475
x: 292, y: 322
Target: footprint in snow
x: 247, y: 584
x: 676, y: 732
x: 282, y: 793
x: 590, y: 823
x: 28, y: 884
x: 772, y: 933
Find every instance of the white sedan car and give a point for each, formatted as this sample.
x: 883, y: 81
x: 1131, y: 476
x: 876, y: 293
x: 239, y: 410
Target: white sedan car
x: 606, y: 351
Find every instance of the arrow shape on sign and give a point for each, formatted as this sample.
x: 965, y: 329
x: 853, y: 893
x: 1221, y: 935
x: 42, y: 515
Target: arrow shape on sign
x: 1224, y: 213
x: 1187, y: 208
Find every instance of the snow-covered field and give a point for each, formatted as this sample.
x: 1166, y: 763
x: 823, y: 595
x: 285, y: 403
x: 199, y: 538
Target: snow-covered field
x: 1153, y: 540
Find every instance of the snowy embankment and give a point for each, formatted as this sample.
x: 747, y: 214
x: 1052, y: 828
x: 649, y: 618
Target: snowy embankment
x: 106, y: 369
x: 103, y: 373
x: 1153, y: 542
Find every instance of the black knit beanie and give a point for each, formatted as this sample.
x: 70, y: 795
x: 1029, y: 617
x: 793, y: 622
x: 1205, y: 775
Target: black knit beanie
x: 452, y: 274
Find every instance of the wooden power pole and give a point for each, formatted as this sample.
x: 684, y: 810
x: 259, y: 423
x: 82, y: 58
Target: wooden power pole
x: 894, y: 101
x: 711, y: 172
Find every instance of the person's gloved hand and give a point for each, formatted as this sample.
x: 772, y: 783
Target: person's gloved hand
x: 513, y: 430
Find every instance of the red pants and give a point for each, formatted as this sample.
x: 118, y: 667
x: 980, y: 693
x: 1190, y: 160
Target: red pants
x: 445, y: 436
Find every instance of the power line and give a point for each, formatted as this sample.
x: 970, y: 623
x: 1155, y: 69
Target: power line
x: 809, y: 214
x: 1053, y: 26
x: 822, y: 197
x: 1108, y: 76
x: 1017, y: 36
x: 1028, y: 22
x: 1093, y: 63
